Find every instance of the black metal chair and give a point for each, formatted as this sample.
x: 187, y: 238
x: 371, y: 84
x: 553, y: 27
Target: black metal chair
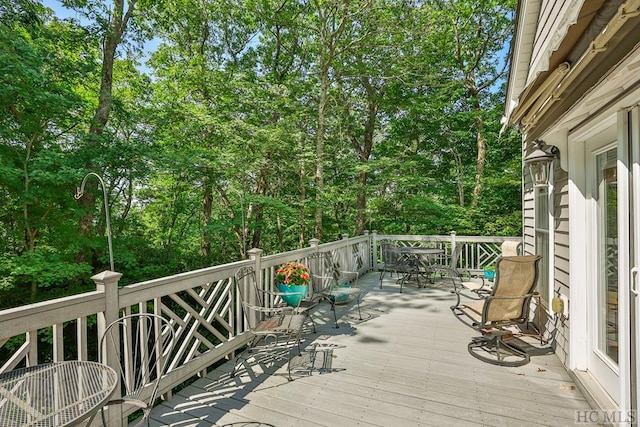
x: 394, y: 261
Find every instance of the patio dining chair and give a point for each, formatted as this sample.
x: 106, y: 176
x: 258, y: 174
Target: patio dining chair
x: 325, y: 286
x: 505, y: 307
x: 451, y: 268
x: 276, y: 327
x: 141, y: 344
x: 394, y: 261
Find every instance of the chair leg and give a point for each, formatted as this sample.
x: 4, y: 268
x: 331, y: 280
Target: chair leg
x: 332, y: 301
x: 358, y: 302
x: 241, y: 357
x: 313, y: 323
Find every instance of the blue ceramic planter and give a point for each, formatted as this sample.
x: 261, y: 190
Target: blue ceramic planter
x: 489, y: 274
x: 298, y: 292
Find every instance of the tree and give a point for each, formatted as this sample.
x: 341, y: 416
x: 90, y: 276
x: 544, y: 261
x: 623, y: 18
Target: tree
x: 112, y: 21
x: 42, y: 70
x: 473, y: 36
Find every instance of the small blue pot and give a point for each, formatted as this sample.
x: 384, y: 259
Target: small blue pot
x: 298, y: 292
x: 490, y: 274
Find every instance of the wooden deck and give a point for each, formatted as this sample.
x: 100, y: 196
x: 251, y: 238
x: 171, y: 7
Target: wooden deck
x: 405, y: 364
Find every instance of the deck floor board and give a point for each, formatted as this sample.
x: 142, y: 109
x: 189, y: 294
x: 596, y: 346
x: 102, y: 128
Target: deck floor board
x: 404, y: 364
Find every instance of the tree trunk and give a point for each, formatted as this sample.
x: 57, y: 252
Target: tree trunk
x: 482, y: 150
x: 329, y: 34
x: 319, y: 178
x: 112, y: 39
x: 207, y: 208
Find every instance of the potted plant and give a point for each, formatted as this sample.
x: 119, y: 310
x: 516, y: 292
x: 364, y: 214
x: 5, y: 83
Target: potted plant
x: 293, y: 278
x: 490, y: 272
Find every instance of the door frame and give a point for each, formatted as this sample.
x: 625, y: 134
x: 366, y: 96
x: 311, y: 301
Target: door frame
x: 579, y: 220
x: 604, y: 370
x: 630, y: 153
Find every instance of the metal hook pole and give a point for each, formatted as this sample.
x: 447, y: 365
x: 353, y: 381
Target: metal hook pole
x: 80, y: 193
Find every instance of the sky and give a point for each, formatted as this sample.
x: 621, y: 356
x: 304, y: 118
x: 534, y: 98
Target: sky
x: 62, y: 12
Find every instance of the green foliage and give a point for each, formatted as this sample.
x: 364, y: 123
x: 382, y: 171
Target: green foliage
x: 211, y: 147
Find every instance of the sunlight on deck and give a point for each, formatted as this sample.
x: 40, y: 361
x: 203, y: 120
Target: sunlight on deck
x: 404, y: 364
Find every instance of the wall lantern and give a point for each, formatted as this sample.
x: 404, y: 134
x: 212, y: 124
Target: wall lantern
x: 540, y: 162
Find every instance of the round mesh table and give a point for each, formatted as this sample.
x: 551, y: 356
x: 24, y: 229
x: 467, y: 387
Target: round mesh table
x: 54, y: 394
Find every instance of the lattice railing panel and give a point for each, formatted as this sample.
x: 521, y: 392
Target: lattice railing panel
x: 203, y: 316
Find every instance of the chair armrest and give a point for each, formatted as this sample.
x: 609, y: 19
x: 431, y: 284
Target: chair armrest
x: 348, y: 273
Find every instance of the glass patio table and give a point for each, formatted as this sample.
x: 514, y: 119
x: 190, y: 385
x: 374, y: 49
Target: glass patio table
x: 54, y: 394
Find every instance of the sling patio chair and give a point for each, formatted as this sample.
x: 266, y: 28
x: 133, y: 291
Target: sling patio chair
x: 505, y: 307
x: 276, y: 327
x: 511, y: 248
x: 325, y: 286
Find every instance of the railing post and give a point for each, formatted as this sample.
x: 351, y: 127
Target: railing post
x: 107, y: 283
x: 368, y: 254
x: 374, y: 246
x: 453, y: 240
x: 313, y: 243
x: 255, y: 255
x: 347, y: 264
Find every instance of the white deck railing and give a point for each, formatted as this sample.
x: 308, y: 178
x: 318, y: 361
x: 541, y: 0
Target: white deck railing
x: 203, y: 305
x: 478, y: 251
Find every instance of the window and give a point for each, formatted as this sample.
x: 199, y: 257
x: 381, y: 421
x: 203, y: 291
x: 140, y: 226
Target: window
x: 542, y: 241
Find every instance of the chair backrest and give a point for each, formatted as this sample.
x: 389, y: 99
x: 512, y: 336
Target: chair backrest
x: 510, y: 248
x: 142, y: 344
x: 321, y: 271
x: 251, y: 297
x: 246, y: 284
x: 391, y: 254
x: 515, y: 279
x: 455, y: 257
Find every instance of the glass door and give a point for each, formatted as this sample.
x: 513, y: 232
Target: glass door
x: 606, y: 297
x: 602, y: 263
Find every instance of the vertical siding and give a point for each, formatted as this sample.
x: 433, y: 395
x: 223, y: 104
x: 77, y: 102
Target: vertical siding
x: 557, y: 325
x: 528, y: 213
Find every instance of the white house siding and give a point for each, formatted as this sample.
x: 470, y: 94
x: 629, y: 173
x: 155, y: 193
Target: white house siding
x: 528, y: 222
x: 558, y: 326
x: 528, y: 212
